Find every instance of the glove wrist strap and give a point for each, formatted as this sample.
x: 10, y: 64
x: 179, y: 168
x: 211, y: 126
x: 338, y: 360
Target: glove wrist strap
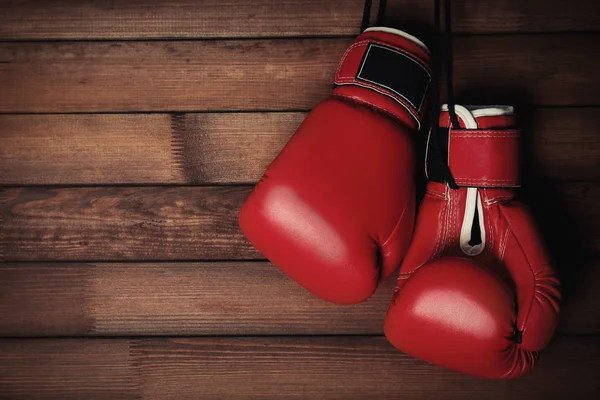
x: 484, y: 157
x: 477, y: 157
x: 387, y: 69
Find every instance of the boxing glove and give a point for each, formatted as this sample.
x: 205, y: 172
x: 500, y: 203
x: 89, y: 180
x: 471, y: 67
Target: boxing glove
x: 335, y: 210
x: 476, y: 292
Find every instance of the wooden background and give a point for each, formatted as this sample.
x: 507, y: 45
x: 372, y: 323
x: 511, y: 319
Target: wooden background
x: 130, y: 134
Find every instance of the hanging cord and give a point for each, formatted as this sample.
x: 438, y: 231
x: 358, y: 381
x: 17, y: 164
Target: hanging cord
x: 366, y: 19
x: 438, y: 138
x: 381, y: 13
x: 448, y: 57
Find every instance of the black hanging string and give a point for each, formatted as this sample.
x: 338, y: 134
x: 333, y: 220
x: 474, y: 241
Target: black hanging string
x: 381, y: 13
x: 448, y: 57
x: 366, y: 19
x: 437, y: 67
x: 437, y: 159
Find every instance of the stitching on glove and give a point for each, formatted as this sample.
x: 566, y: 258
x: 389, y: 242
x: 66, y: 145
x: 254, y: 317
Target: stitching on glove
x: 534, y: 289
x: 447, y: 213
x: 474, y: 180
x: 387, y: 112
x: 395, y: 226
x: 438, y: 245
x: 353, y: 46
x: 387, y: 93
x: 490, y: 233
x: 498, y: 199
x: 437, y: 194
x: 503, y: 245
x: 465, y: 136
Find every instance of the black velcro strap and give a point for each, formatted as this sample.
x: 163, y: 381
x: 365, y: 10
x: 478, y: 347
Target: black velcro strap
x: 397, y: 72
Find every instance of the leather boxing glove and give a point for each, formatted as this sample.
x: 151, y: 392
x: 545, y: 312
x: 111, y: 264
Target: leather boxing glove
x: 476, y: 292
x: 335, y: 210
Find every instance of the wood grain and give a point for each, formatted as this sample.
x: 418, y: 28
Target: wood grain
x: 167, y: 75
x: 526, y: 69
x: 193, y: 223
x: 272, y: 368
x: 239, y: 298
x: 159, y: 19
x: 224, y: 298
x: 117, y: 223
x: 288, y: 74
x: 69, y: 369
x: 91, y: 148
x: 59, y: 306
x: 155, y: 19
x: 498, y: 16
x: 554, y: 138
x: 141, y: 148
x: 560, y: 143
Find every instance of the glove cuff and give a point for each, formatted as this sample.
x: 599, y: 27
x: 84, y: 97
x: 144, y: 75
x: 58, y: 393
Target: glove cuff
x: 389, y: 70
x: 484, y: 152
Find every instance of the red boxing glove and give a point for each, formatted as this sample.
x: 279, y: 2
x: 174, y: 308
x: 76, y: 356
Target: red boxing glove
x: 335, y: 210
x: 476, y: 292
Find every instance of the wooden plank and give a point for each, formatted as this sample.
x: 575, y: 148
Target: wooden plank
x: 553, y: 138
x: 273, y: 74
x: 96, y: 19
x: 156, y: 19
x: 499, y: 16
x: 240, y: 298
x: 118, y: 223
x: 89, y: 149
x: 58, y: 308
x: 523, y: 70
x: 560, y: 143
x: 226, y: 298
x: 141, y: 148
x: 272, y: 368
x: 195, y: 223
x: 171, y: 75
x: 91, y: 369
x: 524, y: 16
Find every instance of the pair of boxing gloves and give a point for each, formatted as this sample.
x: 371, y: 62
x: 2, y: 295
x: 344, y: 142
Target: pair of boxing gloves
x: 336, y: 212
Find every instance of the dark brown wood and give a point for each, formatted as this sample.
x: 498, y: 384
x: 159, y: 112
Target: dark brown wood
x: 231, y: 298
x: 51, y: 301
x: 117, y: 223
x: 239, y: 298
x: 499, y: 16
x: 141, y: 148
x: 526, y: 69
x: 273, y: 74
x: 69, y: 369
x: 524, y: 16
x: 272, y: 368
x: 561, y: 143
x: 171, y: 75
x: 88, y: 149
x: 98, y: 19
x: 579, y: 307
x: 157, y: 19
x: 194, y: 223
